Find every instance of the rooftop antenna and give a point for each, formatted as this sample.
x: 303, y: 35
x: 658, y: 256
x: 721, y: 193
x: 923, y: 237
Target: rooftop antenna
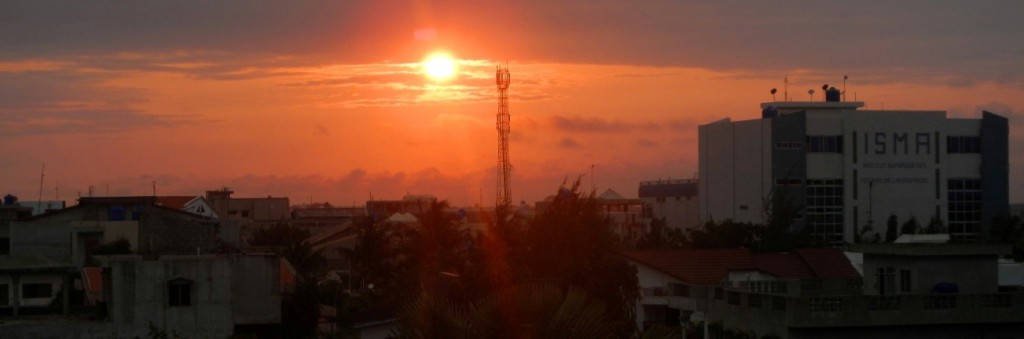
x: 504, y: 194
x: 773, y: 93
x: 42, y: 174
x: 592, y: 186
x: 811, y: 93
x: 785, y: 93
x: 844, y: 87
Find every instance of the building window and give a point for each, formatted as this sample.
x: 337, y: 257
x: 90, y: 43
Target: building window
x: 779, y: 303
x: 789, y: 145
x: 825, y: 143
x: 880, y: 303
x: 718, y: 293
x: 824, y: 208
x: 754, y: 300
x: 179, y: 292
x: 5, y: 246
x: 681, y: 290
x: 905, y: 283
x: 5, y: 295
x: 825, y: 304
x: 116, y: 213
x: 734, y: 298
x: 963, y: 144
x: 886, y: 280
x: 964, y: 208
x: 36, y: 291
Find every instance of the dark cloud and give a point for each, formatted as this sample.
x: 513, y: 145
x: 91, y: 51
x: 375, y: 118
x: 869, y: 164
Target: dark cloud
x: 568, y: 142
x: 55, y: 88
x: 87, y: 121
x: 977, y: 40
x: 597, y: 125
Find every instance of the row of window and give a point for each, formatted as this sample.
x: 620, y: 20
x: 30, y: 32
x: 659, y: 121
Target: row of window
x: 824, y: 209
x: 834, y: 144
x: 964, y: 208
x: 963, y: 144
x: 753, y: 300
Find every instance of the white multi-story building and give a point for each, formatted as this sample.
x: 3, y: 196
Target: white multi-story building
x: 849, y: 168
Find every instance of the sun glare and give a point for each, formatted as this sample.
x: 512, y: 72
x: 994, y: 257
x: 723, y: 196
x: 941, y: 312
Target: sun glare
x: 439, y: 66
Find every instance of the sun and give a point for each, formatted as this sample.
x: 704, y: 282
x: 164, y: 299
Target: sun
x: 439, y: 66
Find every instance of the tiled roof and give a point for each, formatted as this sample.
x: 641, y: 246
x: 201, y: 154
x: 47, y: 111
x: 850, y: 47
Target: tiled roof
x: 696, y: 266
x: 783, y: 265
x: 174, y: 201
x: 828, y: 263
x: 710, y: 266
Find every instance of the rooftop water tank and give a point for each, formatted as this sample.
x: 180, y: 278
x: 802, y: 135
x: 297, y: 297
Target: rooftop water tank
x: 833, y: 95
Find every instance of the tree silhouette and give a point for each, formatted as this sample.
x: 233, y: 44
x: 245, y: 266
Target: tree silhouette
x: 890, y: 229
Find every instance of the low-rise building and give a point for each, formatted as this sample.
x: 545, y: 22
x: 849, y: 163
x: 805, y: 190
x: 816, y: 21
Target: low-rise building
x: 672, y: 201
x: 908, y: 290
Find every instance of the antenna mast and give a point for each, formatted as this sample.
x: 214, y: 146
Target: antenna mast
x: 42, y: 175
x: 504, y: 194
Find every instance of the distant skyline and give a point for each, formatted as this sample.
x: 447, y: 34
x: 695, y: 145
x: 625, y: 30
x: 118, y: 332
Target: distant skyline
x: 326, y: 101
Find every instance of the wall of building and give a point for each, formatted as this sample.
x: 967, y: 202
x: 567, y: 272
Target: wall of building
x: 48, y: 236
x: 890, y: 163
x: 674, y: 201
x: 228, y: 290
x: 734, y: 162
x: 973, y: 274
x: 168, y: 231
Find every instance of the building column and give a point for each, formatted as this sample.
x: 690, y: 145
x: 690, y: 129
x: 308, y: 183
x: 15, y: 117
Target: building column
x: 66, y: 286
x: 16, y: 292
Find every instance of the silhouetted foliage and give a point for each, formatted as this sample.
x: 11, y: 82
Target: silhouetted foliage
x: 661, y: 237
x: 446, y: 276
x: 724, y: 234
x: 571, y: 243
x: 779, y: 235
x: 910, y: 226
x: 300, y: 309
x: 935, y: 226
x: 1009, y: 230
x: 890, y: 229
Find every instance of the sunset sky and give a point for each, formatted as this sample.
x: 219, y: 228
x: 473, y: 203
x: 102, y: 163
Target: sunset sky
x: 326, y: 100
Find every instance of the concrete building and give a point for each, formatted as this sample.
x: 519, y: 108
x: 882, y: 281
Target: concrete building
x: 315, y: 216
x: 186, y: 296
x: 908, y: 291
x: 627, y: 215
x: 202, y: 296
x: 249, y: 213
x: 411, y: 204
x: 69, y: 235
x: 10, y: 211
x: 674, y: 201
x: 850, y: 168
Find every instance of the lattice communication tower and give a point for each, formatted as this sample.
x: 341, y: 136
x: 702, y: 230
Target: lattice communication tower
x: 504, y: 196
